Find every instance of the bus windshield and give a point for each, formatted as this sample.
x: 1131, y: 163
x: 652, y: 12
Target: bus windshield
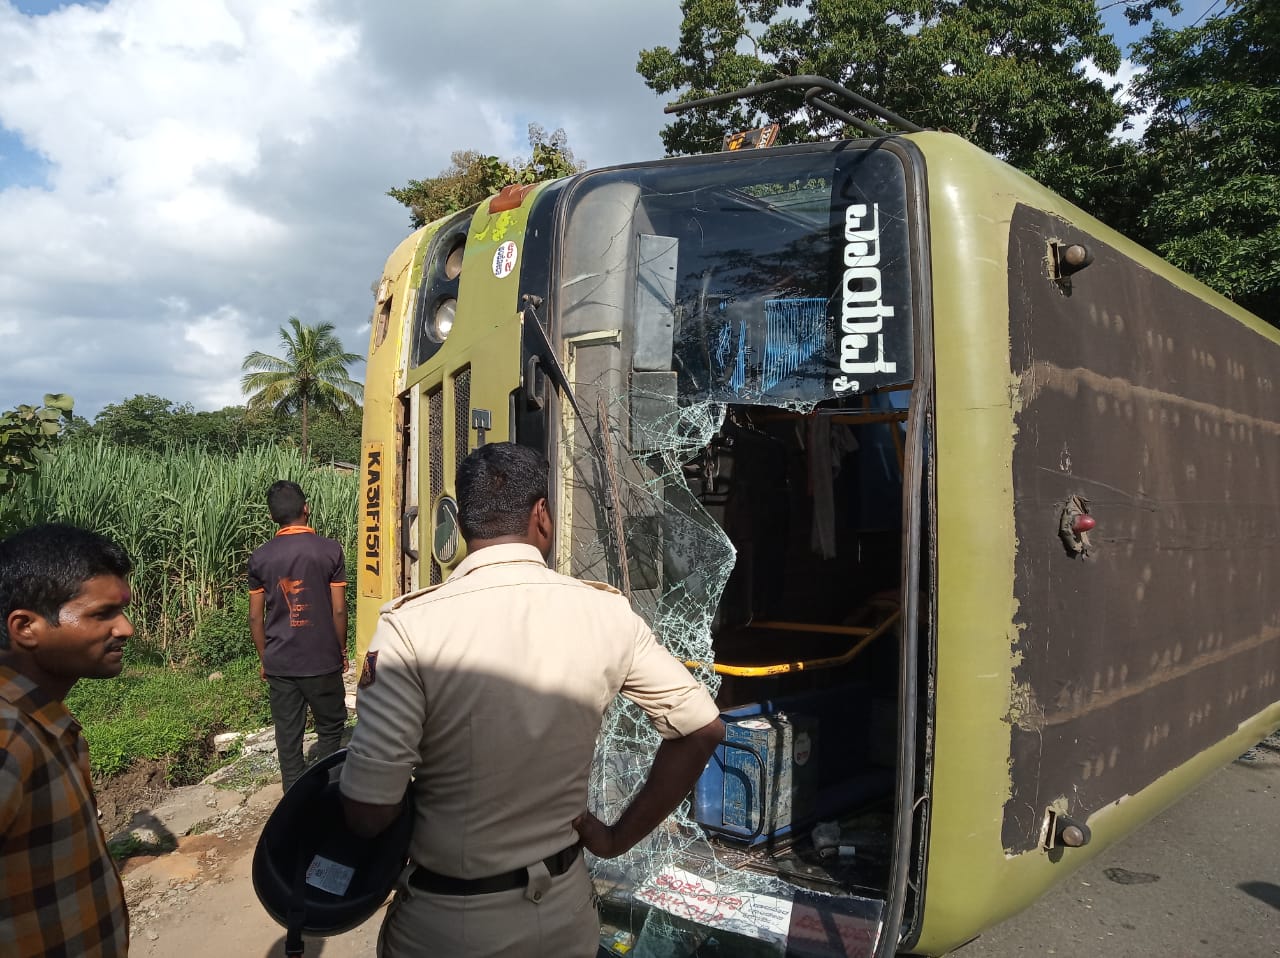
x: 772, y: 278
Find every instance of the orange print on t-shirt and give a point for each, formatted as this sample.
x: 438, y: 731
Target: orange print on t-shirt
x: 292, y: 590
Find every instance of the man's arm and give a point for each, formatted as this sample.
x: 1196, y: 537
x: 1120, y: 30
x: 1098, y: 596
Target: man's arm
x: 338, y: 599
x: 383, y: 750
x: 368, y: 820
x: 258, y: 627
x: 676, y: 766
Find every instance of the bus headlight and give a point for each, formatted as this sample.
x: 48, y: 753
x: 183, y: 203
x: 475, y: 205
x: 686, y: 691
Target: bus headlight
x: 442, y: 320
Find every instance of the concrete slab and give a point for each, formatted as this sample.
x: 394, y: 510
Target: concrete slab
x: 181, y: 810
x: 266, y: 797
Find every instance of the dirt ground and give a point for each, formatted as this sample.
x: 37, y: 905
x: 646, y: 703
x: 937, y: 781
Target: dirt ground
x: 198, y: 899
x: 122, y: 796
x: 1210, y: 886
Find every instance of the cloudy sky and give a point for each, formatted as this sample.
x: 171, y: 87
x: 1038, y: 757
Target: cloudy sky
x: 178, y: 177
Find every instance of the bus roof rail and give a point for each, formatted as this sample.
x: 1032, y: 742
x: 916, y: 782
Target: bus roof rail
x: 815, y: 87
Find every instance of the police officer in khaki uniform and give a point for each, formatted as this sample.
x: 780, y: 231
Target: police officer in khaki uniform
x: 488, y: 692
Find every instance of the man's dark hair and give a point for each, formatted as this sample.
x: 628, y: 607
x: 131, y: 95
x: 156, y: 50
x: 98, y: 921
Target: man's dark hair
x: 285, y: 500
x: 498, y: 486
x: 44, y: 567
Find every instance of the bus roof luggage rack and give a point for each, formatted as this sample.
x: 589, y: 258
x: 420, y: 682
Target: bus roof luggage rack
x: 816, y: 87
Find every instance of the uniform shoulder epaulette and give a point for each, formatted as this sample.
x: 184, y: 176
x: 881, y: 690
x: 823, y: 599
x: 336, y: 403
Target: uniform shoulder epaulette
x: 602, y: 586
x: 401, y: 600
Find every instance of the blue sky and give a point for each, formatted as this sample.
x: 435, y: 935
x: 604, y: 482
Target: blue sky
x: 178, y: 177
x: 20, y: 166
x: 1114, y: 19
x: 38, y: 7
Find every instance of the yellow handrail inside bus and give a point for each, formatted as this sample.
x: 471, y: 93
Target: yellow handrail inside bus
x: 832, y: 662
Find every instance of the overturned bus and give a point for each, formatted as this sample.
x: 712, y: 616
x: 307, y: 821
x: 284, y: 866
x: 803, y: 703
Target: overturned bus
x: 965, y: 507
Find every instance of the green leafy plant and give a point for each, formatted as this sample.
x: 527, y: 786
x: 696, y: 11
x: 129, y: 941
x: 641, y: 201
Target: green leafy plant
x: 1213, y: 142
x: 27, y: 437
x: 222, y: 636
x: 473, y: 176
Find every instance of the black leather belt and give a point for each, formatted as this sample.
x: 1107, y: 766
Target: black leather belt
x: 427, y: 880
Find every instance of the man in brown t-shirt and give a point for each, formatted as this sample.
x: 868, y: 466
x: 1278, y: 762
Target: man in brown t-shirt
x: 298, y: 619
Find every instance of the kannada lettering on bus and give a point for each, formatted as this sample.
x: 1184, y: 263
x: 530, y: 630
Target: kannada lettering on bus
x: 864, y: 311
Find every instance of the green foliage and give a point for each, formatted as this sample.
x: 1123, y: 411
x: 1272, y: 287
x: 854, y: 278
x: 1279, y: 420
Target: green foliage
x: 28, y: 435
x: 158, y: 424
x: 151, y: 712
x: 222, y: 636
x: 144, y: 420
x: 472, y: 177
x: 1214, y: 142
x: 147, y: 421
x: 1008, y: 75
x: 335, y: 437
x: 311, y: 374
x: 188, y: 518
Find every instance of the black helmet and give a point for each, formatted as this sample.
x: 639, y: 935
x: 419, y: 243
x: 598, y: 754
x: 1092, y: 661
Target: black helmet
x: 311, y: 873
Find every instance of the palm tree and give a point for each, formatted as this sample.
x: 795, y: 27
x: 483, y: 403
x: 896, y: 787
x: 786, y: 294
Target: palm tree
x: 313, y: 373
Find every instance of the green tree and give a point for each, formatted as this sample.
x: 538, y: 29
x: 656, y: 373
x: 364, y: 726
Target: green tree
x: 157, y: 424
x: 312, y: 374
x: 1213, y: 91
x: 27, y: 437
x: 335, y: 437
x: 144, y: 421
x: 473, y: 176
x: 1009, y: 75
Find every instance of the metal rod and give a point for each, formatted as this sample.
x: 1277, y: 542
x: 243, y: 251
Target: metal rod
x: 811, y: 627
x: 782, y: 668
x: 811, y: 97
x: 813, y: 85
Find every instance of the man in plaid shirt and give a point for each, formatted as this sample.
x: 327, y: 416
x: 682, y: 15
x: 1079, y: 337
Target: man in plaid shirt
x: 62, y: 599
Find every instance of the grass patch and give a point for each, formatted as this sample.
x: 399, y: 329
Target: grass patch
x: 125, y: 846
x: 154, y: 712
x: 250, y: 773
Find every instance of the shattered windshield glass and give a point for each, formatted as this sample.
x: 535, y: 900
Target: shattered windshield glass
x: 779, y: 279
x: 685, y: 293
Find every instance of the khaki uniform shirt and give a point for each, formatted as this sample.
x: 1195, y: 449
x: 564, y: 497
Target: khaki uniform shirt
x: 489, y: 691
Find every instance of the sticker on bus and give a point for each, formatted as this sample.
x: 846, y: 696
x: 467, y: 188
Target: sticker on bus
x: 504, y: 259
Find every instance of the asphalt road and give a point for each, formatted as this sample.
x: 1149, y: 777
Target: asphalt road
x: 1202, y: 880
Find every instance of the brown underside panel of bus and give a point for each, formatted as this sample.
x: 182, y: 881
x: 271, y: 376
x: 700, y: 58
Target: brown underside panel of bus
x: 1160, y: 410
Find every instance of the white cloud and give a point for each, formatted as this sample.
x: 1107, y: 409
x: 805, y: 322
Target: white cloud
x: 206, y: 350
x: 1124, y: 77
x: 215, y: 166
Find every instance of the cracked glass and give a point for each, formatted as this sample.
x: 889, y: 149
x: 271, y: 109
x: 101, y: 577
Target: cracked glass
x: 738, y: 335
